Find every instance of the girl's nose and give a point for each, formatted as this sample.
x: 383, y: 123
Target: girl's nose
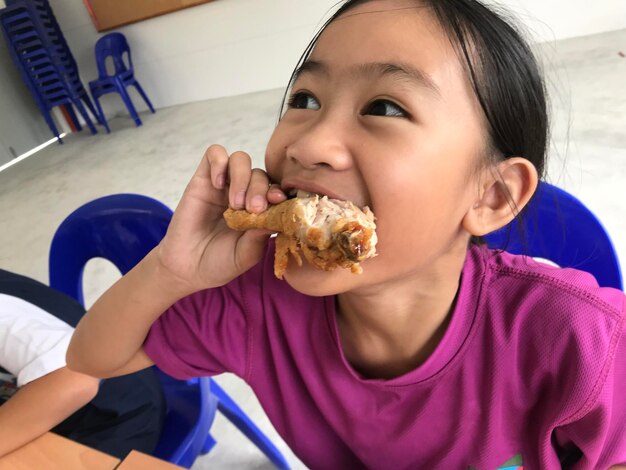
x: 322, y: 144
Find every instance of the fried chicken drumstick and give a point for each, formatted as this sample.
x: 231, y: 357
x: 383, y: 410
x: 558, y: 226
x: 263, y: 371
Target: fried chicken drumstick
x: 330, y: 233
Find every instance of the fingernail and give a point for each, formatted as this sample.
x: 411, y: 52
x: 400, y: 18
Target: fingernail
x: 277, y: 191
x: 220, y: 181
x: 257, y: 202
x: 240, y: 199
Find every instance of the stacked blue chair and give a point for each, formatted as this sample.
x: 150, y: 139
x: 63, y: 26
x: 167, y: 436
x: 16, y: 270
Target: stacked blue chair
x: 61, y: 54
x: 29, y: 47
x: 123, y: 228
x: 115, y: 46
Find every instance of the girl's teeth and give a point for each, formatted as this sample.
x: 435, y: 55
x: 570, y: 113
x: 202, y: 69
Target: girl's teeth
x: 294, y: 192
x: 301, y: 193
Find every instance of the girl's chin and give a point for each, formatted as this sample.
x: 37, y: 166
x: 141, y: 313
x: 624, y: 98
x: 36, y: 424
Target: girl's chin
x: 309, y: 280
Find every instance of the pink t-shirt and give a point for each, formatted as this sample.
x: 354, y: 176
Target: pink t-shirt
x: 531, y: 371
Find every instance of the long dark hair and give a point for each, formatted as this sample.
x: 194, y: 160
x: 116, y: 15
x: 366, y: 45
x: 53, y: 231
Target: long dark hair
x: 502, y: 69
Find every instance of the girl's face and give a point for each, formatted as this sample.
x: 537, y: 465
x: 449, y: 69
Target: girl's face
x: 383, y: 115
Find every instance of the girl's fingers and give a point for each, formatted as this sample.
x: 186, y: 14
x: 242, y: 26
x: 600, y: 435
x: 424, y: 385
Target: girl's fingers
x: 217, y: 157
x: 256, y: 197
x: 247, y: 188
x: 275, y: 195
x: 239, y: 172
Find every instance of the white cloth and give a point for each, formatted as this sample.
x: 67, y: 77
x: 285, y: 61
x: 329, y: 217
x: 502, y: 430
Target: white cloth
x: 33, y: 343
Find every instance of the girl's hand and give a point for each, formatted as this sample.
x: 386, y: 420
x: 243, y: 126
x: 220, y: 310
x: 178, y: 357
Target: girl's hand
x: 199, y: 251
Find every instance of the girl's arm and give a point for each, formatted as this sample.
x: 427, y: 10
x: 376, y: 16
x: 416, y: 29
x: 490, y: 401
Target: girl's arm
x: 108, y: 340
x: 42, y: 404
x: 198, y: 252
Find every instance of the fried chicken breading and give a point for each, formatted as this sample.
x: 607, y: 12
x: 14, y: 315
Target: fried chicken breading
x: 330, y: 233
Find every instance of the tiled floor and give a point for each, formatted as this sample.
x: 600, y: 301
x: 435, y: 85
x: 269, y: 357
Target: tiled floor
x: 588, y: 158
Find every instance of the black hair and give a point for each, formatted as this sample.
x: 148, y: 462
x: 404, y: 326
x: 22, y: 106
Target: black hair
x: 503, y: 72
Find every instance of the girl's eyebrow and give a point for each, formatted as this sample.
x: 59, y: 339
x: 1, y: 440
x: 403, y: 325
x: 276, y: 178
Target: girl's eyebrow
x: 310, y: 66
x: 402, y: 71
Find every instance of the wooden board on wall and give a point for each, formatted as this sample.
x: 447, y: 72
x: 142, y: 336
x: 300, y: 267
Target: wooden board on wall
x: 110, y: 14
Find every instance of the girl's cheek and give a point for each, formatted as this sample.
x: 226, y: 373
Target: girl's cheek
x: 270, y: 156
x: 273, y: 151
x: 271, y: 166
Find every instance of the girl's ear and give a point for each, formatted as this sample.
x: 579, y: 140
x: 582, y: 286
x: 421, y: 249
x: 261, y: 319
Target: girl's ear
x: 503, y: 193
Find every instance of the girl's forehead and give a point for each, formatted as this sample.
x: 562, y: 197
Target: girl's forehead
x: 389, y: 31
x: 386, y: 5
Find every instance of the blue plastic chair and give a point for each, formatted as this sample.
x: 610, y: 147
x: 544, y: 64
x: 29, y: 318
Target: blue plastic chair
x: 114, y: 45
x: 558, y: 227
x: 123, y: 228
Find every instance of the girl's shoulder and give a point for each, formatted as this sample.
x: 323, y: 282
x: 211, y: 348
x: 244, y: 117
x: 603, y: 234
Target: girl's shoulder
x: 557, y: 319
x: 552, y: 329
x: 538, y: 283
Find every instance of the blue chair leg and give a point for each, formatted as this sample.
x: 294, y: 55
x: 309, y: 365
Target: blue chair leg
x: 101, y: 117
x: 209, y: 443
x: 89, y: 104
x: 121, y: 89
x: 51, y: 124
x: 83, y: 112
x: 143, y: 95
x: 73, y: 117
x: 235, y: 415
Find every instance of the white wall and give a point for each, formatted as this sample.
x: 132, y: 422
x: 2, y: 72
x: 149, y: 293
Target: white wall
x: 559, y: 19
x: 231, y: 47
x: 222, y: 48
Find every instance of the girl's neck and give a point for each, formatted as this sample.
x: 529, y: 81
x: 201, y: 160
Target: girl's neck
x: 394, y: 328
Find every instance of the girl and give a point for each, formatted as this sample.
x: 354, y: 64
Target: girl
x: 442, y: 354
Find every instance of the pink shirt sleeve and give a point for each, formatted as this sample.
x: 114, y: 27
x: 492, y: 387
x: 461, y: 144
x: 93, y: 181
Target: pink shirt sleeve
x: 600, y: 431
x: 202, y: 335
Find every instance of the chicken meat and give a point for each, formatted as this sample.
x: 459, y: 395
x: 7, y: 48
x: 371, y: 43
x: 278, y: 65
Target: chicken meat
x: 330, y: 233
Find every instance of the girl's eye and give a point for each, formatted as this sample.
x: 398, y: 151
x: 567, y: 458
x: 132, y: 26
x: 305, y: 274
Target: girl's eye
x: 303, y: 100
x: 385, y: 108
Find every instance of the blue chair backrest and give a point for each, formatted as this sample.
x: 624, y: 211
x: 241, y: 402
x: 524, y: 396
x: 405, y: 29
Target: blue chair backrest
x: 112, y: 45
x: 121, y: 228
x: 558, y: 227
